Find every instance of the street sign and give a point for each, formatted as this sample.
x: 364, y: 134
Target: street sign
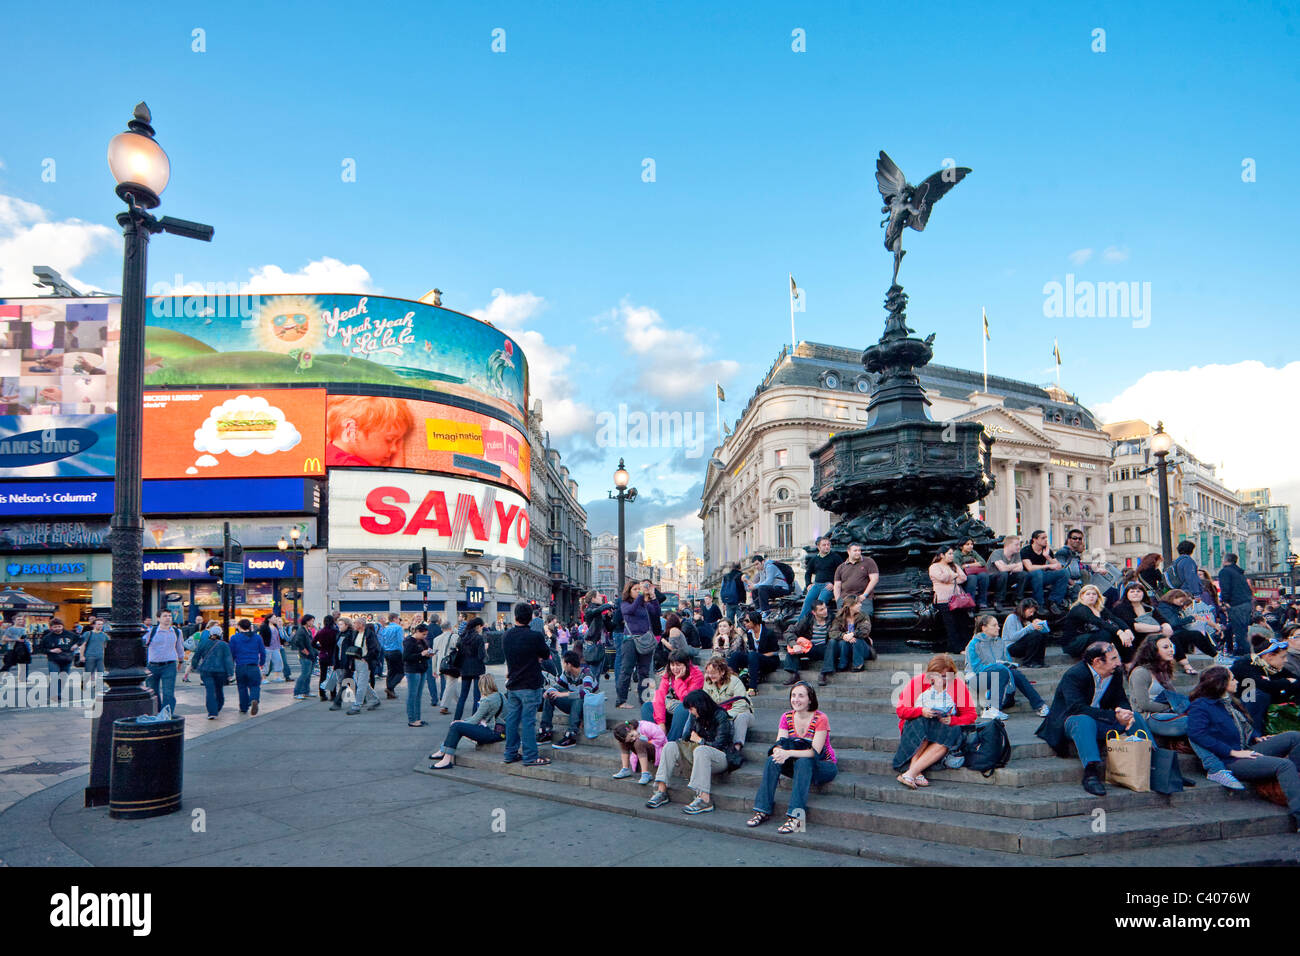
x: 424, y: 582
x: 233, y: 572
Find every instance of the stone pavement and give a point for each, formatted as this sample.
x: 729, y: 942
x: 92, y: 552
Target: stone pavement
x: 32, y: 737
x: 306, y: 786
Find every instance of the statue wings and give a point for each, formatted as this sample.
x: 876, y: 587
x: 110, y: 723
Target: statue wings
x: 909, y: 205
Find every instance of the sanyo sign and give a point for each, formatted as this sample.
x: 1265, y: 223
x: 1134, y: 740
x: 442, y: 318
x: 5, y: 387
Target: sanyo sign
x: 404, y: 512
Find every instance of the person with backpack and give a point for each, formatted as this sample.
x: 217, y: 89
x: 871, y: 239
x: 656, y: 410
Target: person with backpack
x: 249, y: 654
x: 471, y: 661
x: 301, y: 642
x: 732, y: 592
x: 165, y: 650
x: 802, y: 752
x: 706, y: 746
x: 216, y: 666
x: 932, y: 710
x: 772, y: 581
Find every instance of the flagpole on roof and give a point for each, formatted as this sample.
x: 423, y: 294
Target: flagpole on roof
x: 985, y: 343
x: 794, y: 294
x: 1056, y: 354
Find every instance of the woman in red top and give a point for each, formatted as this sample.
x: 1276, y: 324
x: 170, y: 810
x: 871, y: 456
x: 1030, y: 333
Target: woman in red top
x: 931, y: 712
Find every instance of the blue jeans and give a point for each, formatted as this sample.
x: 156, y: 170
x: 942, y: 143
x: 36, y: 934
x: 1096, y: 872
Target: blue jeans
x: 1002, y: 682
x: 476, y: 732
x: 437, y: 687
x: 303, y: 684
x: 465, y: 684
x: 840, y: 653
x: 569, y: 705
x: 248, y: 678
x: 804, y: 771
x: 632, y: 659
x: 676, y: 720
x: 162, y: 684
x: 977, y: 586
x: 214, y: 686
x: 1057, y: 581
x: 1164, y: 725
x: 817, y: 592
x: 1088, y: 734
x: 521, y: 722
x: 790, y: 664
x: 414, y: 687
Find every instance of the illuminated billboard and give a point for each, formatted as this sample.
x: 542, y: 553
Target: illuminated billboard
x: 193, y: 341
x: 235, y: 433
x: 58, y: 387
x: 402, y: 511
x: 367, y: 431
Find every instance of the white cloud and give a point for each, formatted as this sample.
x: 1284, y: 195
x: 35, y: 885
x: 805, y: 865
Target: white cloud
x: 1225, y: 414
x: 1080, y: 256
x: 319, y: 275
x: 1115, y: 254
x: 507, y: 311
x: 549, y: 375
x: 28, y: 238
x: 678, y: 362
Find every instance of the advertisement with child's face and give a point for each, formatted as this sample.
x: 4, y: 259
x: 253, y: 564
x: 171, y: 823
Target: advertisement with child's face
x: 367, y: 432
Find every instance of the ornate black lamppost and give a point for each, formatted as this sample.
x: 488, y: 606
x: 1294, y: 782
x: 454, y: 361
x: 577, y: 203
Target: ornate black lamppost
x: 625, y: 494
x: 298, y: 543
x: 141, y: 169
x: 1161, y: 443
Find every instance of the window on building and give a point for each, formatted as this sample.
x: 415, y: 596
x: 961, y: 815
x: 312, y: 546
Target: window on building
x: 1110, y: 504
x: 785, y: 529
x: 366, y: 579
x: 1051, y: 479
x: 1126, y: 503
x: 782, y: 457
x: 1128, y: 535
x: 1087, y: 483
x: 1112, y: 534
x: 1069, y: 481
x: 1137, y: 533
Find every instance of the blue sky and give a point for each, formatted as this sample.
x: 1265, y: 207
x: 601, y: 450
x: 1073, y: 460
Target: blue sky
x: 522, y: 171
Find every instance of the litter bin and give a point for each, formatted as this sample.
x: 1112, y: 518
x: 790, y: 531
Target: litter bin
x: 145, y: 775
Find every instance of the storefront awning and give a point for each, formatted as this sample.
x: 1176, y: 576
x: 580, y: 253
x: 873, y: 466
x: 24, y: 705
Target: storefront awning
x: 19, y: 600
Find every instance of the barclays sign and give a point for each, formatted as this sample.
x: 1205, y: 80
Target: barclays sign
x: 15, y: 569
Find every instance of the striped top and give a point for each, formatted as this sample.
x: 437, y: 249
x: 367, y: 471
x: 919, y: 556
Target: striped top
x: 819, y: 722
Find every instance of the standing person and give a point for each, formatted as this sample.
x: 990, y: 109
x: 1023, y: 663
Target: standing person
x: 945, y: 575
x: 819, y: 575
x: 165, y: 649
x: 92, y: 651
x: 732, y: 591
x: 848, y: 639
x: 598, y: 618
x: 640, y: 614
x: 391, y: 640
x: 362, y: 665
x: 60, y: 649
x: 415, y: 667
x: 444, y: 639
x: 473, y: 663
x: 216, y: 666
x: 525, y: 650
x: 803, y: 752
x: 272, y: 632
x: 857, y: 574
x: 1007, y: 570
x: 987, y: 658
x: 17, y: 649
x: 978, y: 580
x: 249, y: 654
x: 1185, y: 572
x: 326, y: 641
x: 342, y: 661
x: 1045, y: 573
x: 1235, y: 593
x: 301, y: 642
x: 485, y: 725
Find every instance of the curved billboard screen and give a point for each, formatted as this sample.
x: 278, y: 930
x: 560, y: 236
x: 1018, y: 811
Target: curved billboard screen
x: 360, y: 340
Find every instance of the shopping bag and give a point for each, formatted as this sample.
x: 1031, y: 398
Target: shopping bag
x: 1166, y: 775
x: 593, y: 715
x: 1128, y: 761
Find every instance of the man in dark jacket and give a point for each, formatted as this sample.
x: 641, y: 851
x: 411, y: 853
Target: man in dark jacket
x: 1235, y: 594
x: 1090, y: 700
x: 525, y: 650
x: 362, y: 668
x: 759, y: 652
x: 733, y: 591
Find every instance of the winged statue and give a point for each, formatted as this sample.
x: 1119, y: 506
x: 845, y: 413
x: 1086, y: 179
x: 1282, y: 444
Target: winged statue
x: 909, y: 205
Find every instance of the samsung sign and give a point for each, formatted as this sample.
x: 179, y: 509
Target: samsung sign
x: 44, y: 446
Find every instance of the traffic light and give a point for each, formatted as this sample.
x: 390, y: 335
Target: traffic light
x: 412, y: 570
x: 214, y: 567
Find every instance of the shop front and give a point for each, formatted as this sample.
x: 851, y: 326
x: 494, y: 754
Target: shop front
x: 76, y: 584
x: 179, y: 582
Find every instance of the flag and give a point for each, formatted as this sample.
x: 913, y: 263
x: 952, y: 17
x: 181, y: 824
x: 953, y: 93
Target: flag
x: 794, y: 289
x: 722, y: 396
x: 1056, y: 351
x: 726, y: 428
x: 987, y: 337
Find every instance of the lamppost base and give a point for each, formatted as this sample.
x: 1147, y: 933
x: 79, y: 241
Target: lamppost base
x: 128, y: 702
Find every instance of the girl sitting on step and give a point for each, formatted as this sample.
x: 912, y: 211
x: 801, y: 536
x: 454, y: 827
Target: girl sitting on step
x: 485, y: 726
x: 802, y: 752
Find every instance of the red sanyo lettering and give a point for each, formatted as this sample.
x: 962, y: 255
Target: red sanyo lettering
x: 378, y: 502
x: 521, y: 529
x: 434, y: 501
x: 504, y: 518
x: 475, y: 519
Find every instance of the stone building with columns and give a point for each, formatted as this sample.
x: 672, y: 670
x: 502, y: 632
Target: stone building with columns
x: 1050, y: 459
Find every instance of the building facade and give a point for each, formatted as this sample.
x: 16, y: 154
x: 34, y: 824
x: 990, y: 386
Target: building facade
x: 1050, y: 461
x: 1261, y: 543
x: 661, y: 543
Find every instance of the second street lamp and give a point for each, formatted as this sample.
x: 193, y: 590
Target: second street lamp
x: 1161, y: 443
x: 142, y: 171
x: 625, y: 494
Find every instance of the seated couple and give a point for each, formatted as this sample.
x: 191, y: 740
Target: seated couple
x: 844, y: 640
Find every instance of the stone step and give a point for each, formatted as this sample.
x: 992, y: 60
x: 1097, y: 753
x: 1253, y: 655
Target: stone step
x: 1043, y: 838
x: 1044, y: 801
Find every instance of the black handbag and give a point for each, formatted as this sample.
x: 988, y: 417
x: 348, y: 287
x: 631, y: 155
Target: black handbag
x: 451, y: 661
x: 1166, y: 775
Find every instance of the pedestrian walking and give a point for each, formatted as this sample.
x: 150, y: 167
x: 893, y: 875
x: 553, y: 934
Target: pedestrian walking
x: 300, y: 641
x: 165, y: 649
x: 249, y: 654
x: 273, y: 638
x: 325, y: 641
x: 364, y: 651
x: 216, y: 666
x: 391, y: 640
x: 91, y: 652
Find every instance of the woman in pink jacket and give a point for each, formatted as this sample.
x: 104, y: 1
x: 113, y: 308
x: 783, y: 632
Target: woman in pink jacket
x: 946, y: 574
x: 679, y: 679
x: 637, y: 740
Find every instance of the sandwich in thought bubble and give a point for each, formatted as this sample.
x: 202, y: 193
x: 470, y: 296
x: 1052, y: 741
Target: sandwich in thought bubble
x: 245, y: 424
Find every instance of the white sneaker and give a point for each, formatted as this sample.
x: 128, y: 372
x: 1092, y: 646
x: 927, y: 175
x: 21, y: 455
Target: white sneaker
x: 1044, y: 710
x: 993, y: 713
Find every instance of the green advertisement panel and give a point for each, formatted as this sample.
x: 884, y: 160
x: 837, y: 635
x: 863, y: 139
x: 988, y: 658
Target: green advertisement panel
x: 323, y: 339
